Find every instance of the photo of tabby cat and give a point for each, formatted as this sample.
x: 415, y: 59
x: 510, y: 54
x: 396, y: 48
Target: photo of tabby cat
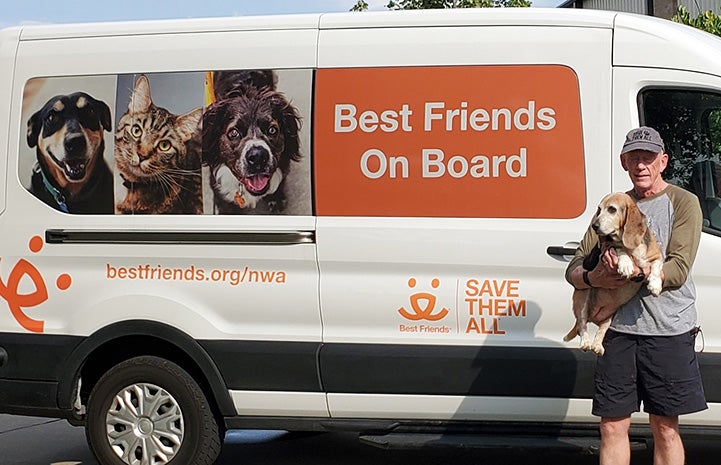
x: 157, y: 154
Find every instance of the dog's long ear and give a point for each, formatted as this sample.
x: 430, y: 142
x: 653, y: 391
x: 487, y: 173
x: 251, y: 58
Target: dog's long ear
x: 103, y: 112
x: 35, y: 123
x: 210, y: 132
x: 290, y: 121
x: 634, y: 226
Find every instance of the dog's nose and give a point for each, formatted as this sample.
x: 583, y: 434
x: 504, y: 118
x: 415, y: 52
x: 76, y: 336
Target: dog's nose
x: 75, y: 144
x: 257, y: 158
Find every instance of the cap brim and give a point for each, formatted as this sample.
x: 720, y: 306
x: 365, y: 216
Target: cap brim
x: 642, y: 145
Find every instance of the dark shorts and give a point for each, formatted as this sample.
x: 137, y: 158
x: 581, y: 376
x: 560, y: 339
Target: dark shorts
x: 659, y: 371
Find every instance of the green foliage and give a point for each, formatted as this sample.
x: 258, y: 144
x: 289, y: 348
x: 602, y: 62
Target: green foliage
x: 706, y: 21
x: 360, y: 6
x: 439, y: 4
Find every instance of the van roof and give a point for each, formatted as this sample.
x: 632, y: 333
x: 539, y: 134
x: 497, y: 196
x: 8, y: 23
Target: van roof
x: 414, y: 18
x: 664, y: 44
x: 471, y: 17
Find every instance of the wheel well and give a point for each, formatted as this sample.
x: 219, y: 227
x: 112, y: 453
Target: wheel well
x: 123, y: 348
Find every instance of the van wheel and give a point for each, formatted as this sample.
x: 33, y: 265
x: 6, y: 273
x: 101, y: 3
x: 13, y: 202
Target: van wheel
x: 148, y: 410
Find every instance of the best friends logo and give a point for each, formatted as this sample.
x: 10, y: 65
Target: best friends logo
x: 485, y: 305
x: 423, y: 307
x: 17, y: 302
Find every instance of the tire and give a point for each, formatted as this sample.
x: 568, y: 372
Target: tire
x: 148, y: 411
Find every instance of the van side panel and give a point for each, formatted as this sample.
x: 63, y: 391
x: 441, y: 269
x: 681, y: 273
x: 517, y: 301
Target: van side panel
x: 457, y: 310
x: 236, y: 283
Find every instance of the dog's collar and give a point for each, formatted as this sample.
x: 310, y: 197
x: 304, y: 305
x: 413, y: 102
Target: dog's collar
x: 54, y: 192
x: 239, y: 196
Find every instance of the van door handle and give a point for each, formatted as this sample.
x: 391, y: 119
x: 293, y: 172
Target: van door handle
x: 560, y: 250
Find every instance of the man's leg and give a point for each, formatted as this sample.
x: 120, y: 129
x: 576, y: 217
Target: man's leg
x: 615, y: 446
x: 615, y: 396
x: 668, y: 447
x: 661, y: 359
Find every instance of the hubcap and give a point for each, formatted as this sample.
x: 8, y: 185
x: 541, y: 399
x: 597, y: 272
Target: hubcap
x: 145, y: 425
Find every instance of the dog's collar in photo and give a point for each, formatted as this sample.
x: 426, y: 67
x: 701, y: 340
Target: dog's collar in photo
x: 55, y: 193
x: 239, y: 198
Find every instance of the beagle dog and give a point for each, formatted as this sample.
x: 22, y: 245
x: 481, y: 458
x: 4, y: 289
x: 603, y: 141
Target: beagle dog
x: 619, y: 224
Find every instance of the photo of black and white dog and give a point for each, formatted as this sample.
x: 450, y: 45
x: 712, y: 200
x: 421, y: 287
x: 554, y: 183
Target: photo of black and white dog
x: 250, y: 141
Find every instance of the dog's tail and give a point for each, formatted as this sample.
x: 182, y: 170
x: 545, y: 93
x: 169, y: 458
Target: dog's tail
x: 571, y: 334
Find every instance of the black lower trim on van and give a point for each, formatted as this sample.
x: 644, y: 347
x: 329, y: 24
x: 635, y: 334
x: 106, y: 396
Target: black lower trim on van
x: 32, y: 365
x: 33, y: 374
x: 457, y: 370
x: 403, y: 369
x: 266, y: 365
x: 552, y: 372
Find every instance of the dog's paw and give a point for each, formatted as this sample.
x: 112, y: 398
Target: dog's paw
x: 625, y: 266
x: 598, y: 349
x: 586, y: 345
x: 654, y: 285
x: 276, y: 205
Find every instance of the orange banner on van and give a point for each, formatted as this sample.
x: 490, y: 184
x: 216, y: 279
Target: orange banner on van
x: 449, y: 141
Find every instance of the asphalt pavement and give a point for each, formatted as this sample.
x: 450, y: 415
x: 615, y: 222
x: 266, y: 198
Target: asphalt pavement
x: 42, y: 441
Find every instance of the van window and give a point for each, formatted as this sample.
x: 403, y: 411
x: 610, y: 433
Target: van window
x: 228, y: 142
x: 690, y: 123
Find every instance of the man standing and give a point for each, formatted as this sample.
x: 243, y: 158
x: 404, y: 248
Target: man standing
x: 649, y: 354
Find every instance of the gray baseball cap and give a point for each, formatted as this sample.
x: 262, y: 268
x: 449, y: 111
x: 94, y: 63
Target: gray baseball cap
x: 643, y: 138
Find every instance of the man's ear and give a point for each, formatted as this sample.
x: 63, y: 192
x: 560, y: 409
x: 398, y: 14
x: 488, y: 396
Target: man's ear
x: 623, y: 162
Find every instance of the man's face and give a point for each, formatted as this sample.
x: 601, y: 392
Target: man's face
x: 644, y: 168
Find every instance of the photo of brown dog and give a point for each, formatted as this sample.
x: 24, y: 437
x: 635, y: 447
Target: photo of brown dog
x: 70, y: 173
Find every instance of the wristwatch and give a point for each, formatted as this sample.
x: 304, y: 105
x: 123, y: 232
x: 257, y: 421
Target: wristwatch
x: 585, y: 279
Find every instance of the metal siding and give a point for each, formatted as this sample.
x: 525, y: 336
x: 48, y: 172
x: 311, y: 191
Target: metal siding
x: 628, y: 6
x: 641, y: 6
x: 696, y: 6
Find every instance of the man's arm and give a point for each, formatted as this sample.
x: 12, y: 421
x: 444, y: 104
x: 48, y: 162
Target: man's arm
x: 685, y: 237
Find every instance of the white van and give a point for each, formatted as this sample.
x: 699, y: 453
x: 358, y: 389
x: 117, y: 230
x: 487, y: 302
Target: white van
x: 355, y: 221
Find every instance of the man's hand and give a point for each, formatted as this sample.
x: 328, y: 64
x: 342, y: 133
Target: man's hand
x: 606, y: 272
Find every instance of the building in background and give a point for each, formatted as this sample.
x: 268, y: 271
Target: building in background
x: 661, y: 8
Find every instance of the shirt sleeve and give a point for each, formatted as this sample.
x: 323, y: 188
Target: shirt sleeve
x: 589, y: 241
x: 685, y: 237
